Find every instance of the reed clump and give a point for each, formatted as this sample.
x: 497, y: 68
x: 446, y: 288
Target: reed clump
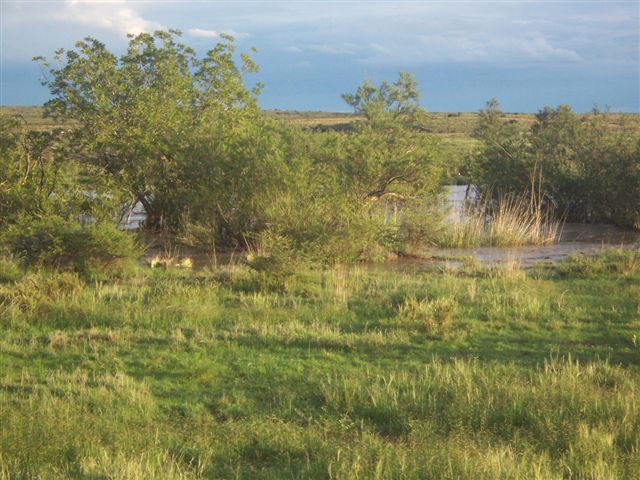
x: 507, y: 219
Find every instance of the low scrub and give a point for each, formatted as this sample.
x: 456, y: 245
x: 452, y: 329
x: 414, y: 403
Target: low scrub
x: 92, y: 250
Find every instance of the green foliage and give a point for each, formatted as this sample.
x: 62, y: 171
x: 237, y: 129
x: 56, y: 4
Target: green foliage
x: 399, y: 98
x: 185, y: 137
x: 591, y: 170
x: 242, y: 162
x: 135, y: 116
x: 44, y: 196
x: 32, y: 177
x: 39, y: 177
x: 327, y: 197
x: 66, y: 244
x: 370, y: 178
x: 388, y: 154
x: 319, y: 220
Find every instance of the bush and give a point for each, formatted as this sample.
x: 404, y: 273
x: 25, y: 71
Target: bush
x: 591, y: 168
x: 92, y: 250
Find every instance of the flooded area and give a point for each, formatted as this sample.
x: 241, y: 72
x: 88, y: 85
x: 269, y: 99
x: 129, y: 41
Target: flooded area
x: 133, y: 218
x: 575, y: 238
x: 582, y: 239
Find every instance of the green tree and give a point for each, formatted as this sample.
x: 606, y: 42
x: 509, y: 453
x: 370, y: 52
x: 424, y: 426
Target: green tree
x: 504, y: 161
x: 389, y: 163
x: 400, y: 98
x: 389, y: 154
x: 135, y: 116
x: 590, y: 167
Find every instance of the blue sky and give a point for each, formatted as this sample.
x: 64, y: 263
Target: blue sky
x: 525, y: 53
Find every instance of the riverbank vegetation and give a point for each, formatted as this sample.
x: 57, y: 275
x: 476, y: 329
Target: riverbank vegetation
x: 591, y: 170
x: 182, y: 135
x: 341, y: 372
x: 507, y: 220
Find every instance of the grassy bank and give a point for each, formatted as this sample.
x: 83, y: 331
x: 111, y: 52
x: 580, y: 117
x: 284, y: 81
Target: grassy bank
x: 335, y: 373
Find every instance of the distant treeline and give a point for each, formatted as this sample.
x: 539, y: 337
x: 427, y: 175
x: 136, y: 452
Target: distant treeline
x: 184, y: 136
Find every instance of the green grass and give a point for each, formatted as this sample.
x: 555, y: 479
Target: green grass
x: 346, y: 372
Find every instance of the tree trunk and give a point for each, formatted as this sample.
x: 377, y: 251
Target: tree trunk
x: 154, y: 219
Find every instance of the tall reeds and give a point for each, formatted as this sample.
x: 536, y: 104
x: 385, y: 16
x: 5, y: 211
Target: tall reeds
x: 507, y: 219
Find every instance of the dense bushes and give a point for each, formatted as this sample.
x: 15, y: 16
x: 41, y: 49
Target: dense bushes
x: 184, y: 136
x: 90, y: 249
x: 590, y: 169
x: 45, y: 196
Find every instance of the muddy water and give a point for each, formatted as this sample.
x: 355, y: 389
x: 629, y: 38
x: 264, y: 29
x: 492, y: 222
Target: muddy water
x: 584, y: 239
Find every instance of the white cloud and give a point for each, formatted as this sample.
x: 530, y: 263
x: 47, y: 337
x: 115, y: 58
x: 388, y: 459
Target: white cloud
x: 119, y: 16
x: 203, y: 33
x: 236, y: 35
x: 347, y: 48
x: 540, y: 48
x: 378, y: 33
x: 466, y: 46
x: 379, y: 48
x: 199, y: 32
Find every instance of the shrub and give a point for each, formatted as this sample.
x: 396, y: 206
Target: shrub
x: 271, y: 265
x: 591, y: 167
x: 92, y: 250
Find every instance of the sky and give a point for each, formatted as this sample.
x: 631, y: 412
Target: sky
x: 527, y: 54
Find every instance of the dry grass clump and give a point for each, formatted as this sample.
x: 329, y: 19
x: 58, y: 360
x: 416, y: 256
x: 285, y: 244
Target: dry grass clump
x: 36, y: 291
x: 508, y: 220
x: 428, y: 314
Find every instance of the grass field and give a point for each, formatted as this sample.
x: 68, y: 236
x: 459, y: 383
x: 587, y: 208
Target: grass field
x: 343, y: 372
